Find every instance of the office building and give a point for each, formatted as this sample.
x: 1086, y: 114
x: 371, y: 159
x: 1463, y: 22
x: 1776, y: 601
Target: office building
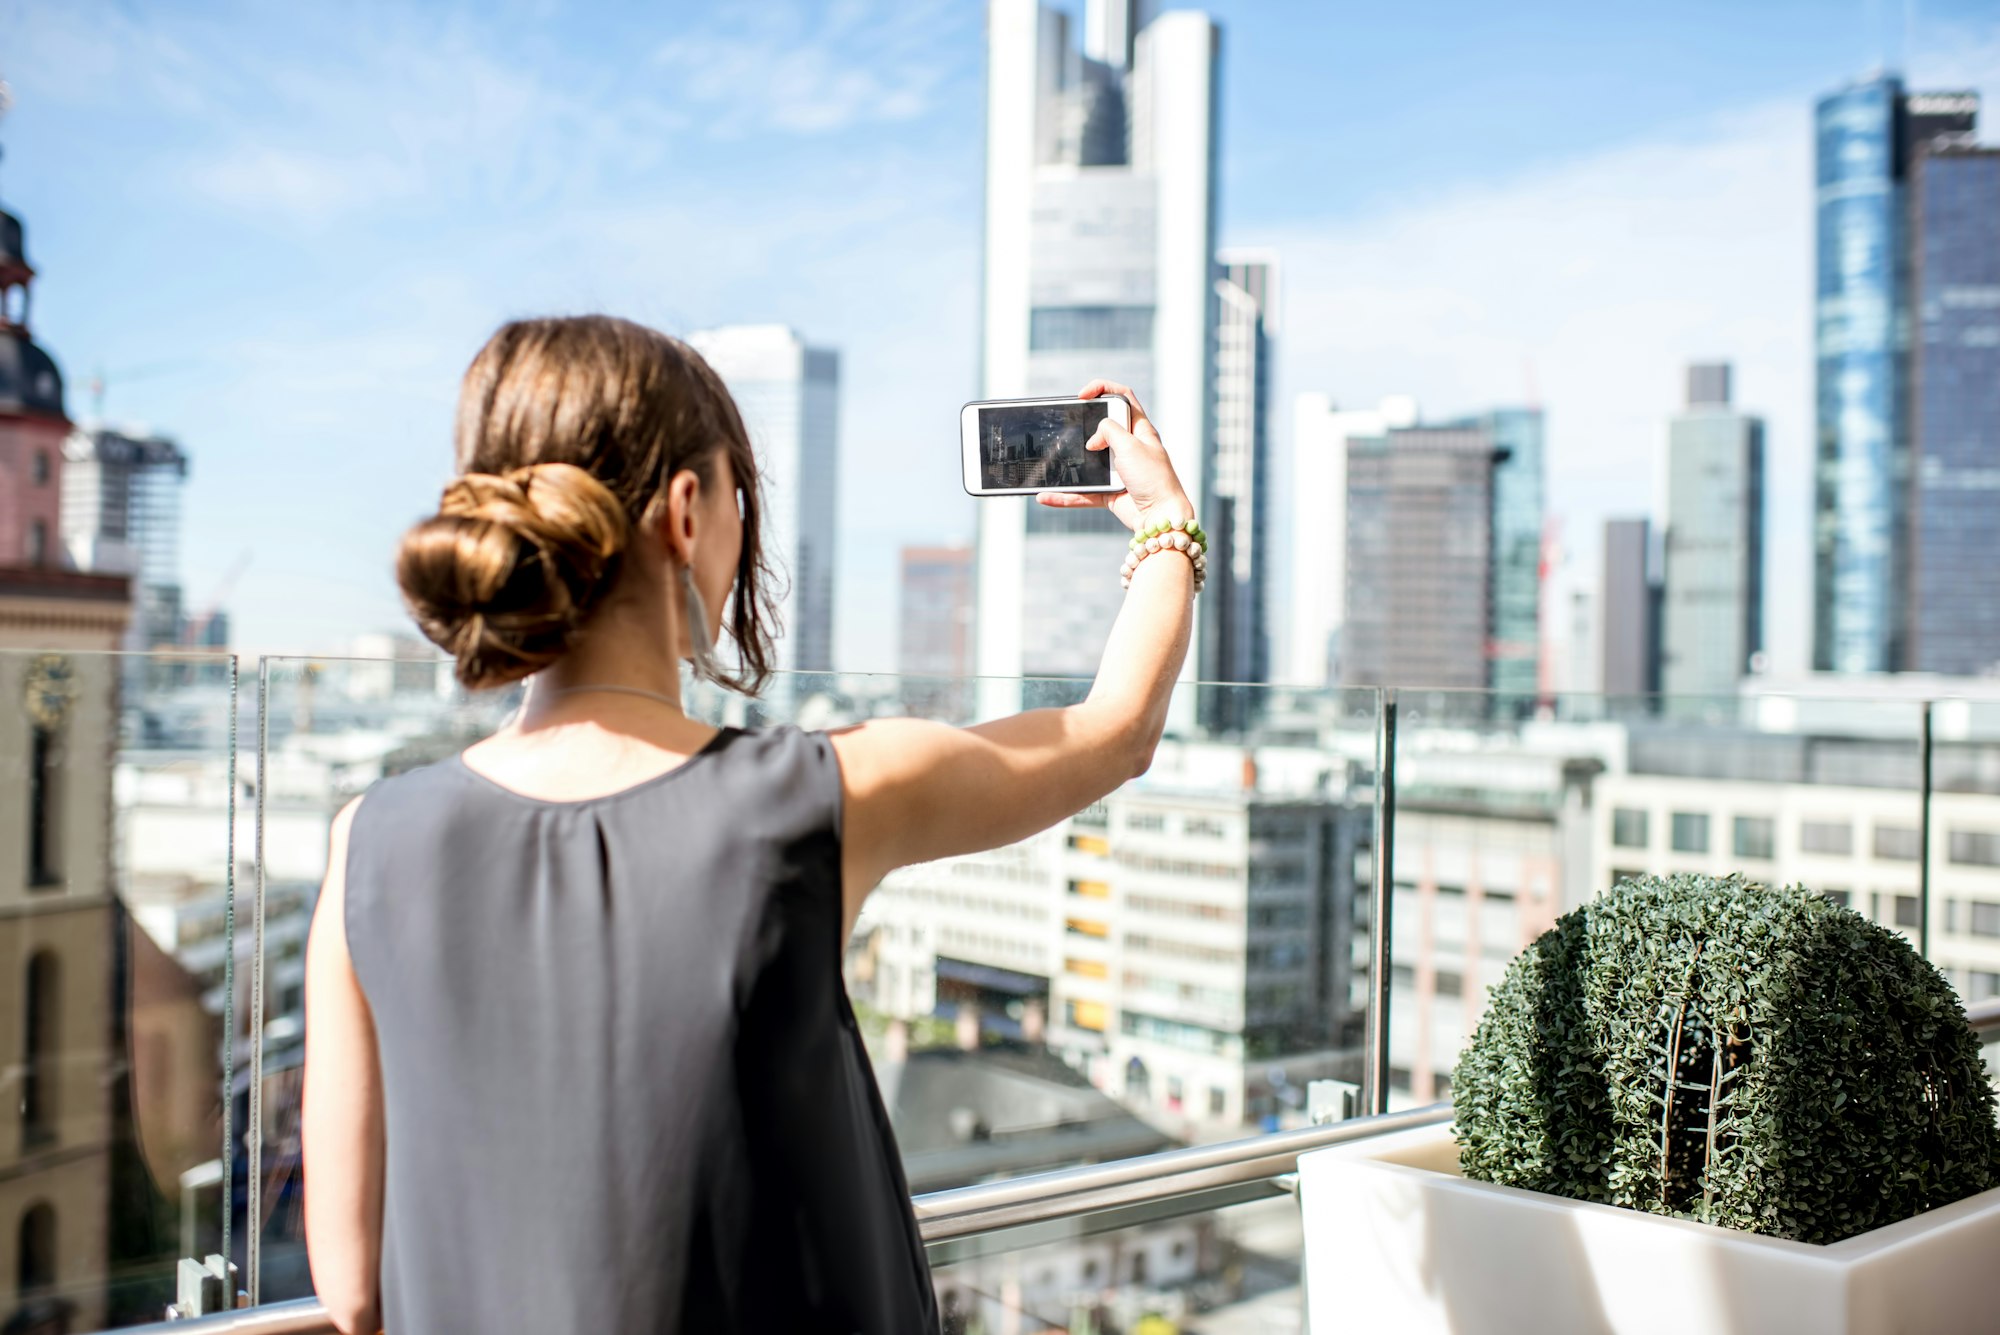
x: 789, y: 394
x: 1713, y: 615
x: 934, y: 631
x: 1185, y: 940
x: 1419, y: 558
x: 1867, y: 136
x: 121, y: 514
x: 1519, y: 497
x: 1101, y: 160
x: 1628, y: 612
x: 1954, y: 619
x: 1317, y: 568
x: 1237, y: 507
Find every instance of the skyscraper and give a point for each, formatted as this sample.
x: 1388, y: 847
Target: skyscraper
x: 121, y: 514
x: 1317, y: 564
x: 1713, y: 619
x: 1629, y: 605
x: 1954, y: 620
x: 1518, y: 499
x: 789, y: 394
x: 1419, y: 558
x: 1099, y: 261
x: 934, y: 639
x: 1866, y: 137
x: 1237, y: 504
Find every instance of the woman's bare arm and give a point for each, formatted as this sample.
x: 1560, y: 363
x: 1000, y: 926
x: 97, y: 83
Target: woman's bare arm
x: 342, y: 1114
x: 918, y: 790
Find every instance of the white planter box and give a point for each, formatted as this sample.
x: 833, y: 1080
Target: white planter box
x: 1397, y: 1243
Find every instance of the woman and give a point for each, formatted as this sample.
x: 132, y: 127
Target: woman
x: 578, y: 1054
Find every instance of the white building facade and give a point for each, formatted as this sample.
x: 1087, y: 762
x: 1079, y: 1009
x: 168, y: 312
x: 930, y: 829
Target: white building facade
x: 1099, y: 262
x: 789, y: 395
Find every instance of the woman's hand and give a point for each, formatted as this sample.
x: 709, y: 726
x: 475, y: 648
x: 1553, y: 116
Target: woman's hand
x: 1152, y: 491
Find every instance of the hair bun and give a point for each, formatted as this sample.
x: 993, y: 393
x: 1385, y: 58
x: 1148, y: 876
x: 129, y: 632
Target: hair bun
x: 505, y: 574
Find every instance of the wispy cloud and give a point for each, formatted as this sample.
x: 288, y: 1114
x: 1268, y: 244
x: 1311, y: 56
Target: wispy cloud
x: 813, y: 69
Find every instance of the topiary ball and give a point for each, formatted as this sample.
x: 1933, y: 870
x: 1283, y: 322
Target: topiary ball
x: 1711, y: 1048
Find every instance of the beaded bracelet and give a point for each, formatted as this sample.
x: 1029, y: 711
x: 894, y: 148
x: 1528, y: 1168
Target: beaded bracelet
x: 1179, y: 535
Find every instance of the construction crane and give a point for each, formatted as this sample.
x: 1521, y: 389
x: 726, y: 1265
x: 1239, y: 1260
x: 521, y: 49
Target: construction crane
x: 196, y: 627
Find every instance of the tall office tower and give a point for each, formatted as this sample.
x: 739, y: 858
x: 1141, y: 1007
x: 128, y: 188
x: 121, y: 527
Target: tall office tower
x: 789, y: 394
x: 1954, y: 621
x: 32, y: 421
x: 1099, y: 262
x: 1866, y: 136
x: 1419, y: 558
x: 934, y: 637
x: 1628, y: 612
x: 1713, y: 620
x: 1317, y: 568
x: 1236, y: 639
x: 1518, y: 499
x: 121, y: 515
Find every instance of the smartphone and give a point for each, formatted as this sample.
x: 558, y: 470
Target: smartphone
x: 1017, y: 447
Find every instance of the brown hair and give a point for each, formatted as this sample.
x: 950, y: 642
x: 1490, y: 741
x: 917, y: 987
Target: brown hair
x: 568, y: 432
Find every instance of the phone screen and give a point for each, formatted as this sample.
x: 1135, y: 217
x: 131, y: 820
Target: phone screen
x: 1039, y: 446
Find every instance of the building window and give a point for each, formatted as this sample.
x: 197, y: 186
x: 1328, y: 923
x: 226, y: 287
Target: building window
x: 1973, y: 848
x: 35, y: 1253
x: 1620, y: 875
x: 1086, y: 968
x: 1833, y: 837
x: 1091, y: 889
x: 1399, y: 1079
x: 1898, y: 843
x: 1147, y: 822
x: 1690, y: 832
x: 1840, y: 897
x: 1628, y: 828
x: 1097, y: 931
x: 1204, y: 827
x: 1090, y: 328
x: 1089, y: 1015
x: 1909, y: 912
x: 1756, y: 836
x: 1218, y: 1100
x: 38, y: 543
x: 41, y: 468
x: 41, y: 1035
x: 1090, y: 843
x: 1984, y: 919
x: 1981, y: 985
x: 44, y: 770
x: 1448, y: 983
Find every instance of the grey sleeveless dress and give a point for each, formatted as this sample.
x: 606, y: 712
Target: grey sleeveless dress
x: 623, y: 1085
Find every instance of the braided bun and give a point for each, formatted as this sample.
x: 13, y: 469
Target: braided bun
x: 508, y: 571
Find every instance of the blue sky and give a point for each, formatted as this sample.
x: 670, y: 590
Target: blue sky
x: 281, y: 231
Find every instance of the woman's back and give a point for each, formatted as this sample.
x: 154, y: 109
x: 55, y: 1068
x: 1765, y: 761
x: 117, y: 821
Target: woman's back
x: 623, y: 1089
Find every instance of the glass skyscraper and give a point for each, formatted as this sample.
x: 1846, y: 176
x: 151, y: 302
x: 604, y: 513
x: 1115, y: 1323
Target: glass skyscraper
x: 1953, y: 617
x: 1865, y: 137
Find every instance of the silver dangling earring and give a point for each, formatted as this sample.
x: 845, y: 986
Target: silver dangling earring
x: 701, y: 650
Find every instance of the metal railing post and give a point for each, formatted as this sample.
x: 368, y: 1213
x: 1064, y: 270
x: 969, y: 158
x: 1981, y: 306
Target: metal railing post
x: 1924, y: 835
x: 1382, y: 894
x: 253, y: 1219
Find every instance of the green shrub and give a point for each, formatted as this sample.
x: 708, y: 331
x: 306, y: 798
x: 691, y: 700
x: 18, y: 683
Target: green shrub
x: 1761, y: 1059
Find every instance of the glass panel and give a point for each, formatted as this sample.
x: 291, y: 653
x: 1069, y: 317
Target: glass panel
x: 1503, y: 823
x: 116, y: 798
x: 1230, y: 1269
x: 1173, y: 964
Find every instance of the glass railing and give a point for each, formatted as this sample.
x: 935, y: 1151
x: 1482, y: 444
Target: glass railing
x: 122, y: 839
x: 1174, y: 967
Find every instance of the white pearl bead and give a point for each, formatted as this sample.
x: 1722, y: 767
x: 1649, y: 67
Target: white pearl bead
x: 1152, y: 545
x: 1179, y: 541
x: 1194, y: 549
x: 1177, y: 524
